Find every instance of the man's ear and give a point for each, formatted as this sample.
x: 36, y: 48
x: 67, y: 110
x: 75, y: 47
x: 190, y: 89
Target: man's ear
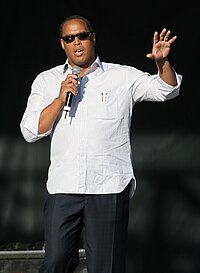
x: 62, y: 43
x: 94, y: 38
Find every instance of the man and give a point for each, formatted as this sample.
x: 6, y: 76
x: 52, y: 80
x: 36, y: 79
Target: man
x: 90, y: 178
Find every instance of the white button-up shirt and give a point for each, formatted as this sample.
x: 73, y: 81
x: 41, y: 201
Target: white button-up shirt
x: 90, y: 148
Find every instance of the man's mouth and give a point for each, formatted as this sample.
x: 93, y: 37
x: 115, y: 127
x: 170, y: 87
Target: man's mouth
x: 78, y: 52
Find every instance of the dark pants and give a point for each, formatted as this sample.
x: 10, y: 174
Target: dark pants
x: 105, y: 222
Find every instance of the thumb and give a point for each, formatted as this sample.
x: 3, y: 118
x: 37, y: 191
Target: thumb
x: 149, y: 55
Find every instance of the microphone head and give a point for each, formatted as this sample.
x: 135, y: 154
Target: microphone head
x: 76, y: 70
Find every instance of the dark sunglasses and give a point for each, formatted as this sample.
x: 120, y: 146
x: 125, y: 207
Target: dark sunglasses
x: 80, y: 36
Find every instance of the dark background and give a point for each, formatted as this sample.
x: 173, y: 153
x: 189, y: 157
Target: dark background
x: 164, y: 230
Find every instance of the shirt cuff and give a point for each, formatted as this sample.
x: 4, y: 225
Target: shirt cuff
x: 171, y: 87
x: 29, y: 127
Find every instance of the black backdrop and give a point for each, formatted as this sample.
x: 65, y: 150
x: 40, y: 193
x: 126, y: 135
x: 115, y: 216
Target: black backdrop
x: 164, y: 230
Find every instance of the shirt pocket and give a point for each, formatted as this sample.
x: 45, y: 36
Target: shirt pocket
x: 106, y: 106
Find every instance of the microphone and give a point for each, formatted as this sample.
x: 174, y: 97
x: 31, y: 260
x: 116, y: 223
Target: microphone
x: 69, y: 97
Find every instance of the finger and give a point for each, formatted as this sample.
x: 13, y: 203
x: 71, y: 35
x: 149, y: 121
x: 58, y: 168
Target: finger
x: 167, y: 35
x: 72, y: 90
x: 70, y: 81
x: 172, y: 39
x: 155, y: 37
x: 162, y: 34
x: 74, y: 82
x: 72, y: 76
x: 149, y: 55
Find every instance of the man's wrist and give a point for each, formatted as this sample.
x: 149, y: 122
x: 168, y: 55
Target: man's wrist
x: 59, y: 101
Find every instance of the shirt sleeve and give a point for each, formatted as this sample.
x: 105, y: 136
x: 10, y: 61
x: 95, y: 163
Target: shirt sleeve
x: 35, y: 105
x: 152, y: 88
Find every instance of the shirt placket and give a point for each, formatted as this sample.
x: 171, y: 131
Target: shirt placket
x: 82, y: 142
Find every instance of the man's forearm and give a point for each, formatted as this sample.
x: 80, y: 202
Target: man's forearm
x: 166, y: 72
x: 49, y: 115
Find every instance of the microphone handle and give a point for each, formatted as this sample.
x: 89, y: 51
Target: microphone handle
x: 68, y: 103
x: 69, y: 99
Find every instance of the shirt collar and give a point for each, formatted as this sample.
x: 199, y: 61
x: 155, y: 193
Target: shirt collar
x: 96, y: 63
